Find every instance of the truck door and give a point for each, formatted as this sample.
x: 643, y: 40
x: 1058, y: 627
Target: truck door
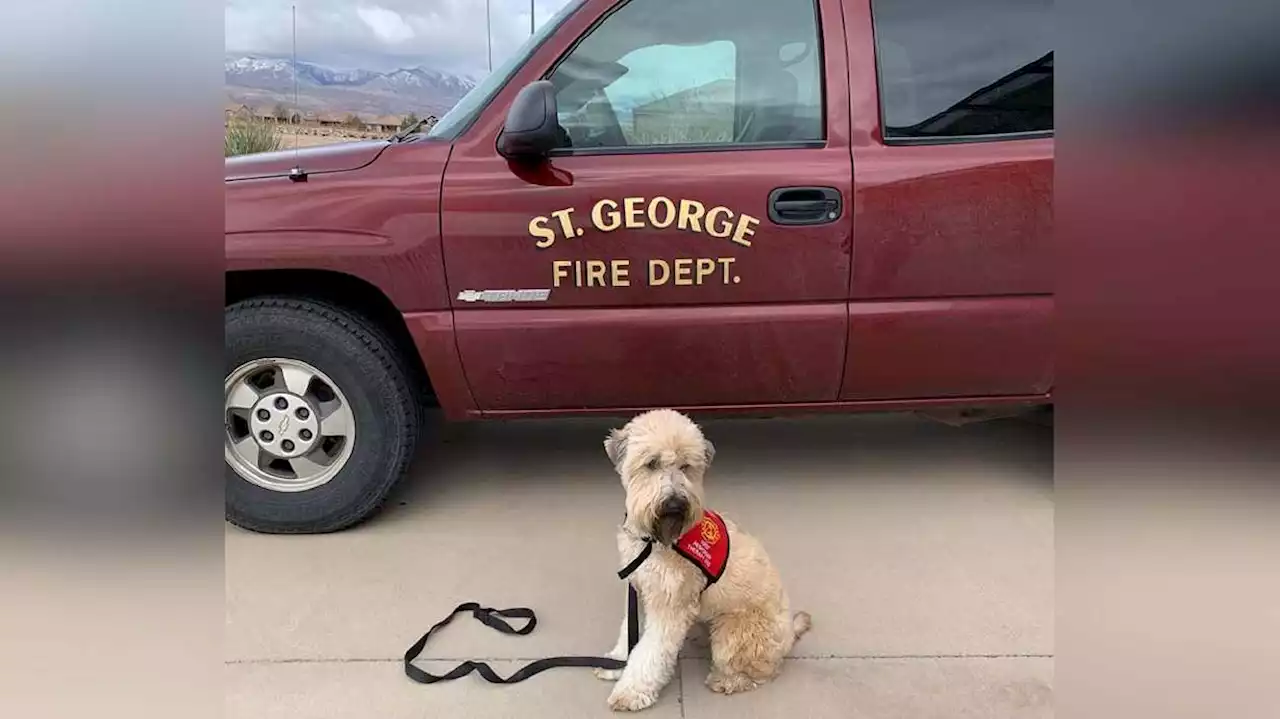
x: 952, y: 113
x: 688, y: 244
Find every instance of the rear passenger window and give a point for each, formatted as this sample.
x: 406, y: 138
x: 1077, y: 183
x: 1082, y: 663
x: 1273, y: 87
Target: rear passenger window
x: 964, y: 69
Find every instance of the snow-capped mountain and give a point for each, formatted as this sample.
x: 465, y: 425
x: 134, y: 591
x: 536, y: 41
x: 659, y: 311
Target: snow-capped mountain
x: 267, y: 80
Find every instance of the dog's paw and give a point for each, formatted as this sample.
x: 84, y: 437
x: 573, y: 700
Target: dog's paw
x: 626, y: 699
x: 730, y: 683
x: 607, y: 675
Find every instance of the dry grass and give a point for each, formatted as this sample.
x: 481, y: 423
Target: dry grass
x: 309, y: 136
x: 283, y: 137
x: 249, y: 135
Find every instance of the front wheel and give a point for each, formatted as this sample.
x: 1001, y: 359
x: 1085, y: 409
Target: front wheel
x: 319, y: 416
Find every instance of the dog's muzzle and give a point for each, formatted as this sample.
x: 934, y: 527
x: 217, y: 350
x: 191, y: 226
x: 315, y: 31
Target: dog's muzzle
x: 671, y: 518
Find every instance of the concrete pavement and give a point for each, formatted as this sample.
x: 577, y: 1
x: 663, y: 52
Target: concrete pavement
x: 924, y: 553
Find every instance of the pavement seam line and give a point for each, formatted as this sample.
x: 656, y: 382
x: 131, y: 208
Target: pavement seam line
x: 680, y: 685
x: 802, y: 657
x: 920, y: 656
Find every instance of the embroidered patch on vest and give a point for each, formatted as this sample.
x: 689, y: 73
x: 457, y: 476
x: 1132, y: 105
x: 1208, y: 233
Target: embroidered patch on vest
x: 707, y: 545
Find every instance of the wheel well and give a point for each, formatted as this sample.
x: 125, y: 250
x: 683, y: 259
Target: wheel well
x: 336, y: 288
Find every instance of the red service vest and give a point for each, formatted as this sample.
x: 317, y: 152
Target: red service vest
x: 707, y: 545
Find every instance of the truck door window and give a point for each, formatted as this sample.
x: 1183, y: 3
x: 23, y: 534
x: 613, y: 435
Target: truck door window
x: 704, y: 73
x: 964, y: 70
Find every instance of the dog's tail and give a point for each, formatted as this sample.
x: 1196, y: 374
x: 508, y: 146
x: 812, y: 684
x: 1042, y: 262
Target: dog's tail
x: 801, y: 623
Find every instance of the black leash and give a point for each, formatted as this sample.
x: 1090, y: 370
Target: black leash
x: 496, y: 618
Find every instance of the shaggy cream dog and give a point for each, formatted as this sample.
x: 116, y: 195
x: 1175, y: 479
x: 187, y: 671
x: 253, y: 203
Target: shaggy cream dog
x: 661, y: 457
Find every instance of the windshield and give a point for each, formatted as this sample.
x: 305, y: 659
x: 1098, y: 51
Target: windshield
x: 462, y: 114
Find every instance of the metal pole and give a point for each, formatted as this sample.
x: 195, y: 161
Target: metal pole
x: 488, y: 31
x: 294, y: 19
x: 531, y: 17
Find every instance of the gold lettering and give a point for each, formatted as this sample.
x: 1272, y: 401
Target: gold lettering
x: 683, y: 267
x: 632, y: 205
x: 561, y: 269
x: 743, y: 231
x: 724, y: 229
x: 706, y: 266
x: 660, y: 213
x: 565, y: 225
x: 577, y: 271
x: 688, y: 217
x: 595, y: 273
x: 538, y: 228
x: 726, y: 261
x: 669, y: 215
x: 597, y: 215
x: 620, y: 269
x: 654, y: 265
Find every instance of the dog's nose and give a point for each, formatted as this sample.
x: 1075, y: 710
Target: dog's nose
x: 673, y: 506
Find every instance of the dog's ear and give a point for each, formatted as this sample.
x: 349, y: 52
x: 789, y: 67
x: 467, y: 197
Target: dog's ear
x: 615, y: 445
x: 709, y: 450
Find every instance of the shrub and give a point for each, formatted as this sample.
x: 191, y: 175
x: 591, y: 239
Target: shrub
x: 248, y: 135
x: 409, y: 121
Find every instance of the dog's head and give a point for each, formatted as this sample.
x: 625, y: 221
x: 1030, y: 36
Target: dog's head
x: 661, y: 457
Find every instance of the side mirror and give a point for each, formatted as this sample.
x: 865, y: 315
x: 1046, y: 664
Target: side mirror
x: 532, y: 128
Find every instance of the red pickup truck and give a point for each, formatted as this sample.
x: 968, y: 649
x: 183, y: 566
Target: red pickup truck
x: 756, y: 206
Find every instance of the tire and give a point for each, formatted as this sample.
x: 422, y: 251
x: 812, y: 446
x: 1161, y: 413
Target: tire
x: 1042, y: 416
x: 362, y: 363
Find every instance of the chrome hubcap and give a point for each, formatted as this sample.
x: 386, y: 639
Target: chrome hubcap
x: 289, y: 428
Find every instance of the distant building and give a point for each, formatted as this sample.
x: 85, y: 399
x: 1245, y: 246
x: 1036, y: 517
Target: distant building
x: 355, y: 123
x: 384, y: 123
x: 236, y: 109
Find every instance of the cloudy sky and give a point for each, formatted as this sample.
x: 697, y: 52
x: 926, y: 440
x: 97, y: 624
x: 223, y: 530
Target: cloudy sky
x: 446, y: 35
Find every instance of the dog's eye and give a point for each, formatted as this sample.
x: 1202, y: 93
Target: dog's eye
x: 684, y: 468
x: 653, y: 463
